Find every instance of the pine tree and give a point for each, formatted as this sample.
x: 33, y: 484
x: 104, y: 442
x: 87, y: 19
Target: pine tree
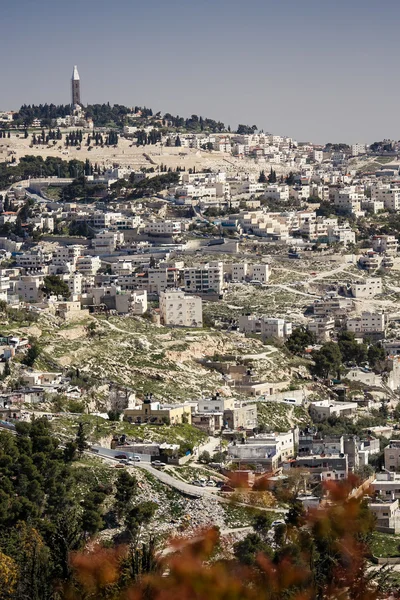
x: 7, y: 370
x: 178, y: 142
x: 80, y: 439
x: 262, y: 178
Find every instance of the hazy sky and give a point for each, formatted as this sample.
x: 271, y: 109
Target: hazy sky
x: 317, y: 70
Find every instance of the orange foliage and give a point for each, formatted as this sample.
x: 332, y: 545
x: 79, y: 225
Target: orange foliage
x: 324, y: 559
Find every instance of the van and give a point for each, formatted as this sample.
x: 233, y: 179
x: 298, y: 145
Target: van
x: 255, y: 282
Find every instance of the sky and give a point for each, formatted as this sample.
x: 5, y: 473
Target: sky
x: 316, y: 70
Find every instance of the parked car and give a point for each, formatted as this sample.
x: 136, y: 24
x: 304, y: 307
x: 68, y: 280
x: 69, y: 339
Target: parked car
x: 157, y: 464
x: 278, y: 522
x: 135, y: 458
x: 211, y: 483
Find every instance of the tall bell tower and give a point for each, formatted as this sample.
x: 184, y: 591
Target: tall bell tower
x: 75, y: 87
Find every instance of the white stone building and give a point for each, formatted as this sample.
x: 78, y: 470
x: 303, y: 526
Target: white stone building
x: 178, y: 309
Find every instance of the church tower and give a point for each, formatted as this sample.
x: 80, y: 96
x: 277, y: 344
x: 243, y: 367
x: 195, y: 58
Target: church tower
x: 75, y: 87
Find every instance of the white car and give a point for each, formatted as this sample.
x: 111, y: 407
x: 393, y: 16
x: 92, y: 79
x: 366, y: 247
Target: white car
x: 135, y: 458
x: 278, y: 522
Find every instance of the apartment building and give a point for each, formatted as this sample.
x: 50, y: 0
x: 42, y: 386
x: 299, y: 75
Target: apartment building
x: 4, y: 287
x: 177, y: 309
x: 389, y: 194
x: 323, y: 468
x: 241, y: 416
x: 369, y: 288
x: 106, y: 242
x: 239, y: 271
x: 88, y: 265
x: 385, y: 243
x: 392, y: 456
x: 387, y: 485
x: 166, y: 228
x: 268, y: 327
x: 277, y: 191
x: 387, y: 515
x: 260, y: 272
x: 204, y: 278
x: 367, y: 323
x: 161, y: 278
x: 216, y: 403
x: 332, y: 304
x: 322, y: 327
x: 74, y: 282
x: 28, y: 287
x: 357, y: 149
x: 341, y: 234
x: 347, y: 199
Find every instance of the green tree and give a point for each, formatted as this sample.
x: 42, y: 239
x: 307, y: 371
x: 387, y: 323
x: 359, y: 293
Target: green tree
x: 290, y: 179
x: 137, y: 517
x: 205, y: 457
x: 126, y: 485
x: 350, y: 349
x: 299, y: 340
x: 376, y: 356
x: 81, y: 439
x: 262, y: 177
x: 54, y: 285
x: 7, y: 370
x: 328, y: 360
x: 32, y: 354
x: 247, y: 550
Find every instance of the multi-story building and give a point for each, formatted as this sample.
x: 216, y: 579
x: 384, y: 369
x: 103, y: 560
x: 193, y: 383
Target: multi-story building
x: 369, y: 288
x: 387, y: 515
x: 4, y: 287
x: 88, y: 265
x: 332, y: 304
x: 162, y: 278
x: 260, y: 272
x: 323, y: 468
x: 166, y: 228
x: 357, y: 149
x: 267, y: 326
x: 346, y: 199
x: 106, y: 242
x: 204, y: 278
x: 239, y: 271
x: 385, y: 243
x: 28, y: 287
x: 241, y: 416
x: 157, y: 414
x: 367, y: 323
x: 392, y: 456
x: 389, y: 194
x: 322, y: 327
x: 177, y: 309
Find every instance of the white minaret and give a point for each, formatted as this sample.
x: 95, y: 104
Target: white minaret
x: 76, y: 87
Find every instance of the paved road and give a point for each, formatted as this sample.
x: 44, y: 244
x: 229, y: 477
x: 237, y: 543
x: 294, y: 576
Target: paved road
x: 187, y: 488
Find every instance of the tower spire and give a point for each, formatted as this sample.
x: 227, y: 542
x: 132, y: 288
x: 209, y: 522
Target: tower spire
x: 75, y: 87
